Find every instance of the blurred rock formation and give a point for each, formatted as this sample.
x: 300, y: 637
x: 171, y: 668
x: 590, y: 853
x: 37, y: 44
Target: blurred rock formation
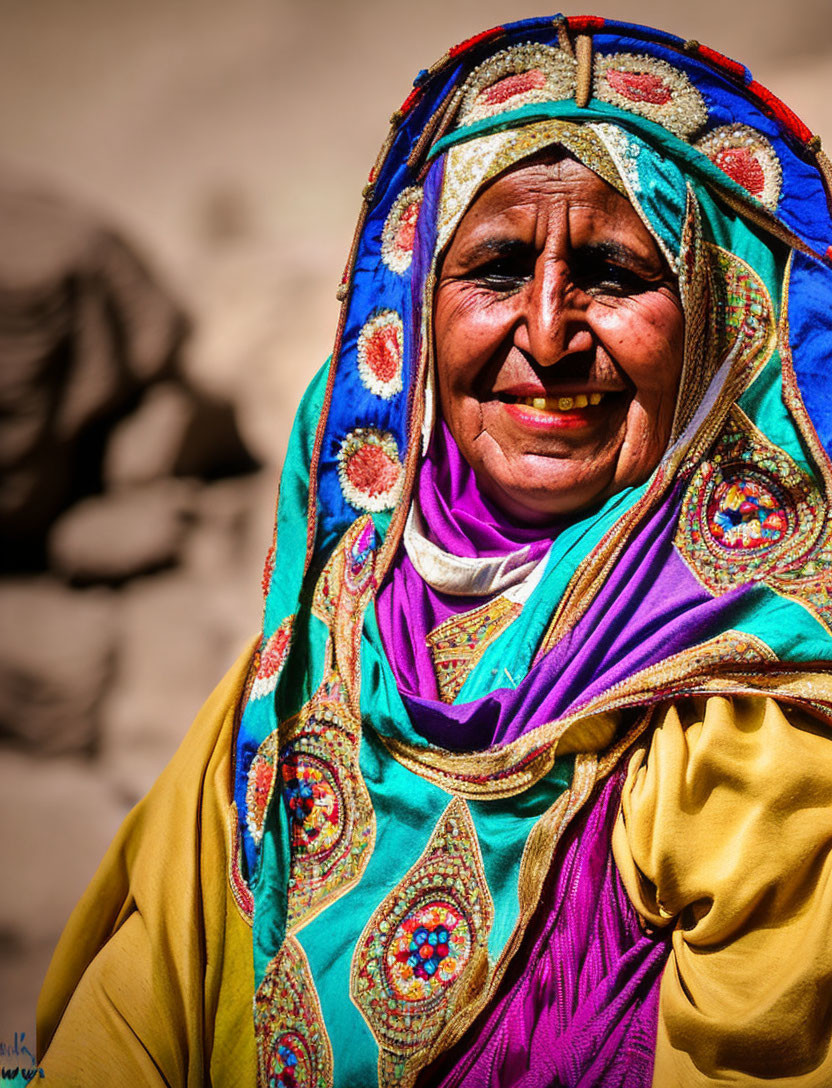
x: 92, y: 397
x: 108, y: 457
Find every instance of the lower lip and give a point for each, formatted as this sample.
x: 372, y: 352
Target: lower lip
x: 548, y: 421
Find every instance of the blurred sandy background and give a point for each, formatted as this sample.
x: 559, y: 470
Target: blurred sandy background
x: 201, y: 161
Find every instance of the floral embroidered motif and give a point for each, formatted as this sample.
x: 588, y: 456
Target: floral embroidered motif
x: 271, y: 659
x: 749, y: 512
x: 380, y: 352
x: 651, y: 88
x: 341, y: 594
x: 457, y: 644
x: 399, y: 231
x: 517, y: 77
x: 262, y: 775
x: 369, y: 469
x: 331, y: 819
x: 747, y: 157
x: 293, y: 1048
x: 423, y: 945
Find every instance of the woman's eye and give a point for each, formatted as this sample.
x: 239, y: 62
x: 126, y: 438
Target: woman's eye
x: 613, y: 279
x: 502, y: 275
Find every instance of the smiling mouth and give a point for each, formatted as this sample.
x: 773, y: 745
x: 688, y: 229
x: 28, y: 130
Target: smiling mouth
x: 556, y: 404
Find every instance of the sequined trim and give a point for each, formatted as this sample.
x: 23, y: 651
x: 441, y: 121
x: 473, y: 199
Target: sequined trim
x: 471, y: 164
x: 380, y: 353
x: 293, y: 1048
x: 331, y: 821
x: 458, y: 644
x: 747, y: 157
x: 517, y: 77
x: 239, y: 888
x: 747, y: 325
x: 399, y: 231
x: 424, y: 945
x: 651, y: 88
x: 749, y: 511
x: 271, y: 659
x: 370, y: 470
x: 738, y: 323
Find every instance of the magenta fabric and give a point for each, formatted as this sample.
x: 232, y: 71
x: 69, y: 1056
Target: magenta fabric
x: 461, y: 521
x: 459, y: 518
x: 658, y: 607
x: 581, y: 1007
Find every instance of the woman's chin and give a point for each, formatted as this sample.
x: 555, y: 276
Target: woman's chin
x: 542, y: 494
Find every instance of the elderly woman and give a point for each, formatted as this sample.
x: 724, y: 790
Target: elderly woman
x: 528, y: 780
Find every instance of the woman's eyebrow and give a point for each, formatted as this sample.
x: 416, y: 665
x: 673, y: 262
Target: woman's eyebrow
x: 620, y: 253
x: 486, y: 249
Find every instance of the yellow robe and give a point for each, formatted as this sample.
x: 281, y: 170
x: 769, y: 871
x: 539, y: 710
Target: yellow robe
x: 725, y: 833
x: 152, y: 980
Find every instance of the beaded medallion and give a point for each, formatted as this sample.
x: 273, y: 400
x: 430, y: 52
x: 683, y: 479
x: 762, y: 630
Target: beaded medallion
x: 516, y: 77
x: 370, y: 470
x: 425, y: 944
x: 747, y: 157
x: 262, y: 775
x: 330, y: 816
x: 651, y: 88
x: 270, y: 660
x: 399, y: 231
x: 749, y: 510
x: 293, y: 1049
x: 380, y: 352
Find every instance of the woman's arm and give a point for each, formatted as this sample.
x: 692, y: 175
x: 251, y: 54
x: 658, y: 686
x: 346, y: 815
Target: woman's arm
x: 725, y: 834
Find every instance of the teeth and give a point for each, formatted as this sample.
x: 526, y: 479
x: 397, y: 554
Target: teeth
x: 561, y: 404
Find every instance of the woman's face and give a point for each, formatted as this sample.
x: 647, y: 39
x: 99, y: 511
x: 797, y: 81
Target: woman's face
x: 559, y: 338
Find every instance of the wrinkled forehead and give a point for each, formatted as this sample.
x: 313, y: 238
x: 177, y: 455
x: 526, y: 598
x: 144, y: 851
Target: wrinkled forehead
x: 468, y: 167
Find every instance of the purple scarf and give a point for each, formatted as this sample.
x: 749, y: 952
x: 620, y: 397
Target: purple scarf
x: 460, y: 520
x: 580, y: 1003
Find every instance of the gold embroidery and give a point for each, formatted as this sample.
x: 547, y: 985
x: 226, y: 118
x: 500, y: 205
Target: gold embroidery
x: 496, y: 773
x: 538, y: 856
x: 512, y: 768
x: 240, y: 890
x: 289, y: 1025
x: 458, y: 644
x: 331, y: 819
x: 749, y: 513
x: 341, y: 595
x: 424, y: 951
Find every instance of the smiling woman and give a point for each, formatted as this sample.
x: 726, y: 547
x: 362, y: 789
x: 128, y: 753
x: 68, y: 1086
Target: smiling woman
x: 527, y: 780
x: 559, y: 336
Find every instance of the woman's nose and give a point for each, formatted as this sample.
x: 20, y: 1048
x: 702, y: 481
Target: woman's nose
x: 555, y: 323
